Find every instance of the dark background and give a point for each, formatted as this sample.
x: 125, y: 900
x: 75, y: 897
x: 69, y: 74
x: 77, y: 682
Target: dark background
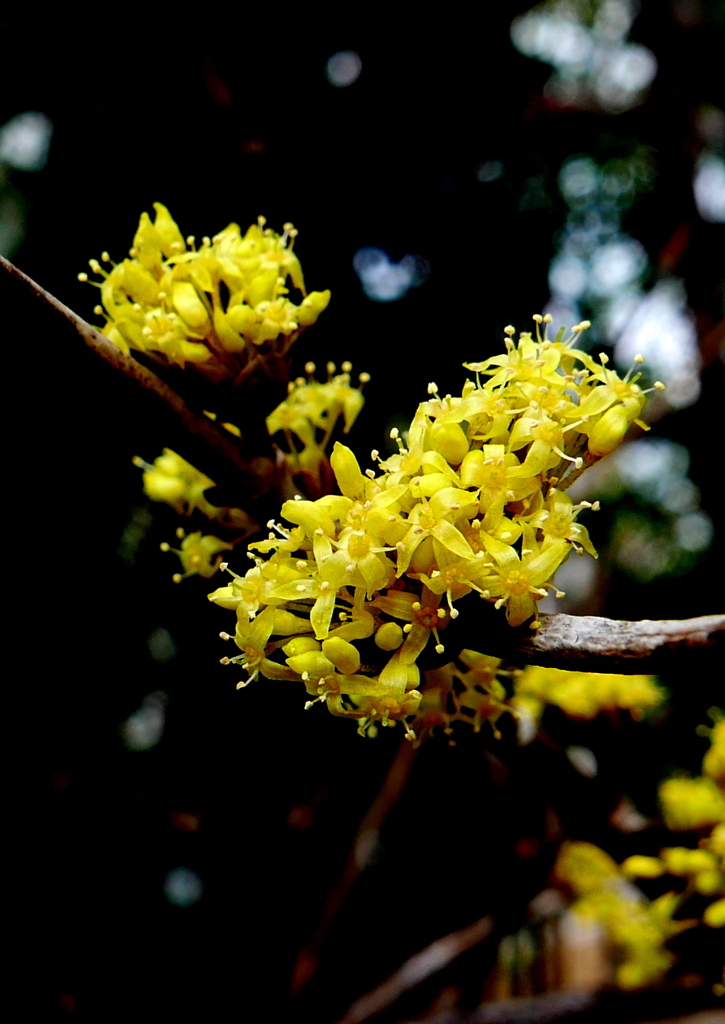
x: 259, y: 799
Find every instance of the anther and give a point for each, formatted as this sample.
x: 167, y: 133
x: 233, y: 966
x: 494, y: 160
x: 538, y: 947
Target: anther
x: 509, y: 330
x: 548, y: 318
x: 83, y: 277
x: 310, y: 367
x: 659, y: 385
x: 164, y: 546
x: 346, y: 366
x: 224, y: 661
x: 180, y: 533
x: 432, y: 388
x: 364, y: 378
x: 98, y: 310
x: 439, y: 648
x: 206, y: 240
x: 441, y: 613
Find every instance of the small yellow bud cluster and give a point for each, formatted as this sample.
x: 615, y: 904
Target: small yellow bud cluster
x: 213, y: 307
x: 473, y: 501
x: 307, y: 417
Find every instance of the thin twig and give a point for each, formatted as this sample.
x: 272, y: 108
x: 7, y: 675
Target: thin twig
x: 193, y: 423
x: 416, y: 969
x: 363, y: 845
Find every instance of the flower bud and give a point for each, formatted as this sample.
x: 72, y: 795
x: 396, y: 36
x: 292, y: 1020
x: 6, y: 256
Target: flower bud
x: 389, y: 637
x: 450, y: 440
x: 343, y: 655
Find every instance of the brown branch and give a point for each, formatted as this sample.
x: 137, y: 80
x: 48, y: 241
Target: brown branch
x: 587, y: 643
x: 196, y: 424
x: 416, y: 969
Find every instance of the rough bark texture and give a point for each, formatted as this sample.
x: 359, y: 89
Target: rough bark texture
x: 590, y: 644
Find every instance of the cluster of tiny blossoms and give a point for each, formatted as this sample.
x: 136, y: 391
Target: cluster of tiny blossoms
x: 213, y: 306
x: 473, y: 502
x: 638, y: 928
x: 583, y: 694
x: 307, y: 418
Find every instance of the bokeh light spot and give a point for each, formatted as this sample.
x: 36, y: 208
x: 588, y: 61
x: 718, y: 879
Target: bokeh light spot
x: 144, y: 728
x: 25, y: 141
x: 343, y: 68
x: 183, y: 887
x: 385, y: 281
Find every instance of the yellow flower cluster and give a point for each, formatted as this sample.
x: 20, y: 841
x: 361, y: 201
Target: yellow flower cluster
x: 308, y: 416
x: 474, y: 501
x: 637, y: 928
x: 211, y: 306
x: 583, y: 694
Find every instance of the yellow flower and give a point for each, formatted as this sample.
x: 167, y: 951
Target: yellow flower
x: 200, y: 554
x: 174, y: 480
x: 691, y: 803
x: 713, y: 763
